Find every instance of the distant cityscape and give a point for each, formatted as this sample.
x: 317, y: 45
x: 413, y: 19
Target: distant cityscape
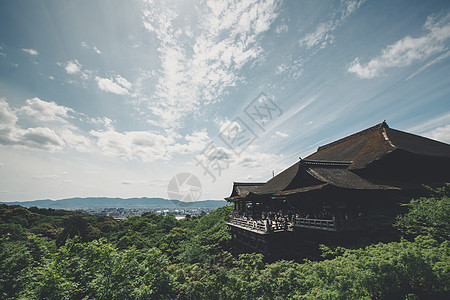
x: 123, y: 213
x: 119, y: 208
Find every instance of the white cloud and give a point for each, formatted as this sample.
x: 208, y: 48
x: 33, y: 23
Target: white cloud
x: 45, y: 111
x: 73, y: 67
x: 349, y: 7
x: 281, y: 68
x: 441, y: 134
x: 323, y: 34
x: 282, y: 134
x: 141, y: 145
x: 31, y: 51
x: 226, y: 159
x: 281, y: 28
x: 104, y: 122
x: 52, y: 133
x: 197, y: 65
x: 148, y: 146
x: 230, y: 129
x: 118, y: 85
x: 123, y: 82
x: 76, y: 141
x: 91, y: 47
x: 7, y: 116
x: 437, y: 128
x: 430, y: 63
x: 250, y: 159
x: 431, y: 124
x: 407, y: 50
x: 195, y: 143
x: 40, y: 137
x: 293, y: 68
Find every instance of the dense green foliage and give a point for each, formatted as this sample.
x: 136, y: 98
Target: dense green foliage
x: 428, y: 216
x: 50, y: 254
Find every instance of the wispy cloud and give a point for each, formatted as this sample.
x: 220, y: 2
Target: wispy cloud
x: 141, y: 145
x: 281, y: 134
x: 431, y: 125
x: 441, y: 133
x: 281, y: 28
x: 429, y: 64
x: 323, y: 34
x: 198, y: 62
x: 148, y: 146
x: 408, y: 50
x: 104, y: 123
x: 91, y: 47
x: 293, y: 68
x: 117, y: 85
x: 33, y: 52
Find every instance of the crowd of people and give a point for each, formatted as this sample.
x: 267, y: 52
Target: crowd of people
x: 266, y: 220
x: 291, y: 215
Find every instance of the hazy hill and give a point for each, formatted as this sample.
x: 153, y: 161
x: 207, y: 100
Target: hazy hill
x: 102, y: 202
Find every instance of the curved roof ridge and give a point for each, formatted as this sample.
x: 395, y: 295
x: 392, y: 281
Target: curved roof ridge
x: 247, y: 183
x: 415, y: 143
x: 386, y: 137
x: 327, y: 163
x: 365, y: 131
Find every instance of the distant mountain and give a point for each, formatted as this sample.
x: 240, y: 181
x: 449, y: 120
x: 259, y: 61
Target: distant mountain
x: 101, y: 202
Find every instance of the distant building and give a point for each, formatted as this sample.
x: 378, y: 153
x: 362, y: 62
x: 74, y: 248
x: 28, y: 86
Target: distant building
x: 350, y: 187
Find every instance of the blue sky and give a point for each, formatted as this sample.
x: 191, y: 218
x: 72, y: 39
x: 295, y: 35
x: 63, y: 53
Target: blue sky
x: 114, y: 98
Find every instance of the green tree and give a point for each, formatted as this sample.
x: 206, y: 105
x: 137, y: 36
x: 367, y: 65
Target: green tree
x: 426, y: 216
x: 18, y: 259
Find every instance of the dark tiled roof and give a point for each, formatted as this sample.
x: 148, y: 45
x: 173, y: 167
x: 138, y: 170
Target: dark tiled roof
x: 361, y: 148
x: 417, y: 144
x: 292, y: 178
x: 343, y: 162
x: 301, y: 190
x: 374, y: 143
x: 343, y: 178
x: 242, y: 189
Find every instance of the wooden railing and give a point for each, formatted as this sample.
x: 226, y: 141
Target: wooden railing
x: 248, y: 224
x: 330, y: 225
x: 264, y: 227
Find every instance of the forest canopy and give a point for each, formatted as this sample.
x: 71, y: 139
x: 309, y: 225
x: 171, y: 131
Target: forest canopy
x: 55, y: 254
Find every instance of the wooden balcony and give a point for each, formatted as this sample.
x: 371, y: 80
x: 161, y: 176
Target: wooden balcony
x: 260, y: 227
x: 268, y: 227
x: 329, y: 225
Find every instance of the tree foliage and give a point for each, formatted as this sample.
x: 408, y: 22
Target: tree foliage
x: 428, y: 216
x: 156, y: 257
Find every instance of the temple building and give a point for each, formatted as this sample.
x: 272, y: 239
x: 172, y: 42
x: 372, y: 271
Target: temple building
x: 352, y: 187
